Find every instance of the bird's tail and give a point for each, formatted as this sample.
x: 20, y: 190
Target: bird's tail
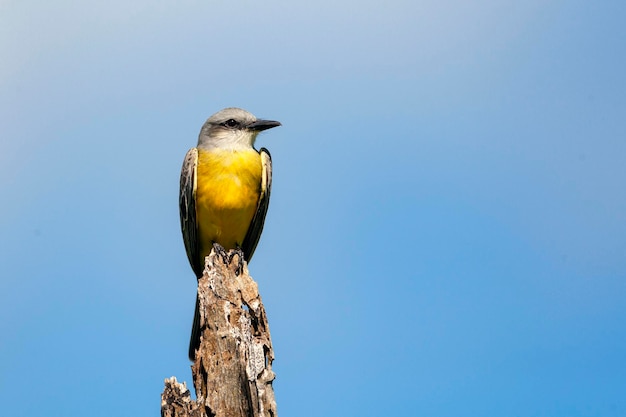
x: 194, y: 342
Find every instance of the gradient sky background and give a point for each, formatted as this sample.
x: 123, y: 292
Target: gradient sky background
x: 447, y: 231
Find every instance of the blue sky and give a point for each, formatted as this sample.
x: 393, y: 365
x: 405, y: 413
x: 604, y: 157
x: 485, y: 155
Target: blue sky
x: 447, y: 231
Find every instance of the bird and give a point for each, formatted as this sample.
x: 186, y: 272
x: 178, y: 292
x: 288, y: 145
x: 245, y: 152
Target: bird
x: 225, y: 186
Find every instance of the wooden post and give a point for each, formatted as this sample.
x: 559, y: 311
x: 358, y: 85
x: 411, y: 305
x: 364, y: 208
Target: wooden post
x: 232, y: 372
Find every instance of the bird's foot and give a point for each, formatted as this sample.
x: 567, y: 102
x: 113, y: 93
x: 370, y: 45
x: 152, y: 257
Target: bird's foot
x: 239, y: 252
x: 221, y: 252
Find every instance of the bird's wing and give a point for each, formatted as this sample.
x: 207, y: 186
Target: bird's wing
x: 187, y: 202
x: 256, y: 226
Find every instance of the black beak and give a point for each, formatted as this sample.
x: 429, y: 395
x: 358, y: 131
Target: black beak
x: 260, y: 125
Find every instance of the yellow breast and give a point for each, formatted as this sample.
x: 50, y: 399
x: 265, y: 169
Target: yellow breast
x: 227, y: 194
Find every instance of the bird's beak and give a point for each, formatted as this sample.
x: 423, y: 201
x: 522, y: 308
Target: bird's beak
x: 260, y: 125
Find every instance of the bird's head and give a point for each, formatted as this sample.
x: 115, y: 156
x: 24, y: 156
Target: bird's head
x: 232, y: 128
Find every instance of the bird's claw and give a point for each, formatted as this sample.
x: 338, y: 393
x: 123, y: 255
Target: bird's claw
x: 237, y: 251
x: 221, y: 252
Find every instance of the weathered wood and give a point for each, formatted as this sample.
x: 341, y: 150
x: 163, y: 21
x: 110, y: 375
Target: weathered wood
x: 176, y: 401
x: 233, y: 368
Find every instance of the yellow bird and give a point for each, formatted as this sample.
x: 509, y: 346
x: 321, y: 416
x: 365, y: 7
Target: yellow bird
x: 224, y: 192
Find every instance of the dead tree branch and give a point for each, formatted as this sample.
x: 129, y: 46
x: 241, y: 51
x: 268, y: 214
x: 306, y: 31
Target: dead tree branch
x: 232, y: 371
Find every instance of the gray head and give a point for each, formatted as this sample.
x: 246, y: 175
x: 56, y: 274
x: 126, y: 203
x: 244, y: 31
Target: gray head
x: 232, y: 128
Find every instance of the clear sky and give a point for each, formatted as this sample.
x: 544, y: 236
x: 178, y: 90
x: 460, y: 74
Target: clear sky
x: 447, y: 231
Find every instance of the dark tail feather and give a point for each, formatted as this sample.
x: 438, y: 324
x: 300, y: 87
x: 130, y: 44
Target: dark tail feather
x: 194, y: 343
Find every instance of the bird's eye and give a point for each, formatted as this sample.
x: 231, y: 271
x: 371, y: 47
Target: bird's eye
x: 230, y: 123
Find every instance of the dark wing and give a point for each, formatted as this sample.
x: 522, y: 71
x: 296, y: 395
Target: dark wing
x: 187, y: 203
x: 256, y: 227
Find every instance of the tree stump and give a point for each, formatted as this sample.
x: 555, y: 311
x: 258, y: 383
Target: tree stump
x: 232, y: 371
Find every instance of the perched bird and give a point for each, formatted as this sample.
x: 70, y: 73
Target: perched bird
x: 224, y: 192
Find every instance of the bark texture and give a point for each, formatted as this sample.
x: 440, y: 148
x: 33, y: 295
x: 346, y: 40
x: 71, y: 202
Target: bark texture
x: 232, y: 371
